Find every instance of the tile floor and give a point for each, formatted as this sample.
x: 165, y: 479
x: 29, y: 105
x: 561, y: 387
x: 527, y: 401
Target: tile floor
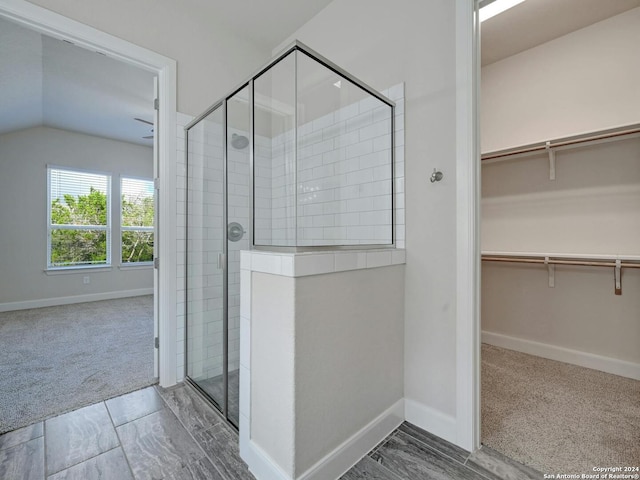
x: 147, y: 434
x: 173, y: 433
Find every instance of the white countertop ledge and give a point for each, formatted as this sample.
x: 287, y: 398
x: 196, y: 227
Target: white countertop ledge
x: 301, y: 264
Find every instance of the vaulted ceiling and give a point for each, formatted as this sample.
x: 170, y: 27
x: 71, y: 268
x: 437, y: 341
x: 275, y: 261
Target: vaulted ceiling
x: 534, y: 22
x: 45, y: 81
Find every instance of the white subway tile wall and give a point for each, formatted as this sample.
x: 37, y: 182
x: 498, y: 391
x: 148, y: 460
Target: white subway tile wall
x: 181, y: 194
x: 343, y: 178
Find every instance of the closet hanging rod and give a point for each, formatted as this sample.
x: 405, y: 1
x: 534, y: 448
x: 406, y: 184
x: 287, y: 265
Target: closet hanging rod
x: 609, y: 135
x: 559, y: 261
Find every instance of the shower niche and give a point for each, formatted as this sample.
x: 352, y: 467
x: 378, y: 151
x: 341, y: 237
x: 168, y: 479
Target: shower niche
x: 299, y: 157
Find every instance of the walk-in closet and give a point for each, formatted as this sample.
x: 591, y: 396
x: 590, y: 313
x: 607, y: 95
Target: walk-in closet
x: 560, y: 227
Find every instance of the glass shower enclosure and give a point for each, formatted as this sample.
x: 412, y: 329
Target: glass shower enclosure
x: 299, y: 157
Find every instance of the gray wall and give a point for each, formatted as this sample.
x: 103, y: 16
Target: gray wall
x: 24, y: 157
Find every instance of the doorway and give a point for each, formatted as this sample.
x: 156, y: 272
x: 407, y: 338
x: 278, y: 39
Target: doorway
x: 65, y: 31
x: 560, y: 173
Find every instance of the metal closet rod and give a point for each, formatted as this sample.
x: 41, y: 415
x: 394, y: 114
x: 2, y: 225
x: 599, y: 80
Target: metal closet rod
x: 563, y: 143
x: 558, y: 261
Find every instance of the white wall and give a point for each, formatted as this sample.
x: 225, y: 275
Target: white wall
x: 273, y: 367
x: 211, y: 59
x: 344, y: 334
x: 592, y: 207
x: 349, y: 356
x: 24, y: 156
x: 413, y: 42
x: 584, y: 81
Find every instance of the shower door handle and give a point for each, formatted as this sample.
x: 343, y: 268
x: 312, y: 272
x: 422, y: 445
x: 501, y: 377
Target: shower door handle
x: 220, y: 261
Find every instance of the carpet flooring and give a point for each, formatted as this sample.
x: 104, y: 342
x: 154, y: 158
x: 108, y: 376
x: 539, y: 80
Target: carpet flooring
x: 557, y: 417
x: 57, y: 359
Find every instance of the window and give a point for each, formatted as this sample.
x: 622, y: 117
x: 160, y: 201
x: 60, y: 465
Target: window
x: 79, y: 218
x: 136, y: 220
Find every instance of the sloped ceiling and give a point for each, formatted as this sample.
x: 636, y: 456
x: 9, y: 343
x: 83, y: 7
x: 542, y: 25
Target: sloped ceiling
x: 534, y: 22
x: 20, y: 78
x: 45, y: 81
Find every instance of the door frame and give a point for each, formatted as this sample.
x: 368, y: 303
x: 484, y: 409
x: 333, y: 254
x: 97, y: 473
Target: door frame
x: 468, y: 413
x: 57, y: 26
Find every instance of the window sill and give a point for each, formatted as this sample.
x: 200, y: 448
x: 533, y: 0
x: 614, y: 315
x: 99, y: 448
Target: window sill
x: 144, y: 266
x: 77, y: 270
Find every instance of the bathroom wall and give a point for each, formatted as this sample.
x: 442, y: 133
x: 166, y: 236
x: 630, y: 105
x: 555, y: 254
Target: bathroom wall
x: 352, y: 377
x: 345, y: 388
x: 24, y: 156
x: 415, y: 43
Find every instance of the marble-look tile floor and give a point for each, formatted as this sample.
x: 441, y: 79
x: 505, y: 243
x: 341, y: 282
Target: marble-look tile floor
x: 153, y: 433
x: 173, y: 433
x: 411, y: 453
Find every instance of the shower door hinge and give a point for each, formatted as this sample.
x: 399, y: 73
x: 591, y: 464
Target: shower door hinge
x: 156, y: 342
x: 156, y: 262
x: 156, y: 183
x: 156, y: 104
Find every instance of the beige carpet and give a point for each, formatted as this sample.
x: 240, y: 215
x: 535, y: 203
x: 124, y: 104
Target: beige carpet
x: 57, y: 359
x: 556, y: 417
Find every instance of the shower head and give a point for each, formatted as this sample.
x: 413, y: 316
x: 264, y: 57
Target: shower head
x: 239, y: 141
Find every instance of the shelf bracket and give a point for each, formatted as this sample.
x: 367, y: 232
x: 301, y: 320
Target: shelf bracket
x: 552, y: 161
x: 618, y: 277
x: 552, y: 272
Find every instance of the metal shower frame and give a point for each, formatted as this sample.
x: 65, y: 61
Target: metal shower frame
x: 222, y: 103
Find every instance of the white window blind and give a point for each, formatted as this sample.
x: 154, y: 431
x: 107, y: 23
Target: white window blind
x: 79, y: 232
x: 137, y: 215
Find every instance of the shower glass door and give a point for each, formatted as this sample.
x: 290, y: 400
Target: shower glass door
x: 206, y: 280
x: 218, y: 219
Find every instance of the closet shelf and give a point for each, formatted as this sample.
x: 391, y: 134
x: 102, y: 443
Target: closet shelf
x: 594, y: 138
x: 617, y: 262
x: 567, y: 256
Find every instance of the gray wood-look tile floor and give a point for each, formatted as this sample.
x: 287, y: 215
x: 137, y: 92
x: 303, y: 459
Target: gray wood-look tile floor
x: 174, y: 434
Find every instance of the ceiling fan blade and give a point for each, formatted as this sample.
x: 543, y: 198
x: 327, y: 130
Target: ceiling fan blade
x: 149, y: 136
x: 143, y: 121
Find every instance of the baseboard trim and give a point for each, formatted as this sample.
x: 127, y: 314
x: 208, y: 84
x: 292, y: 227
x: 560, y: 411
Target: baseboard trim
x: 350, y: 452
x: 91, y: 297
x: 260, y: 463
x: 561, y: 354
x: 431, y: 420
x: 338, y: 461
